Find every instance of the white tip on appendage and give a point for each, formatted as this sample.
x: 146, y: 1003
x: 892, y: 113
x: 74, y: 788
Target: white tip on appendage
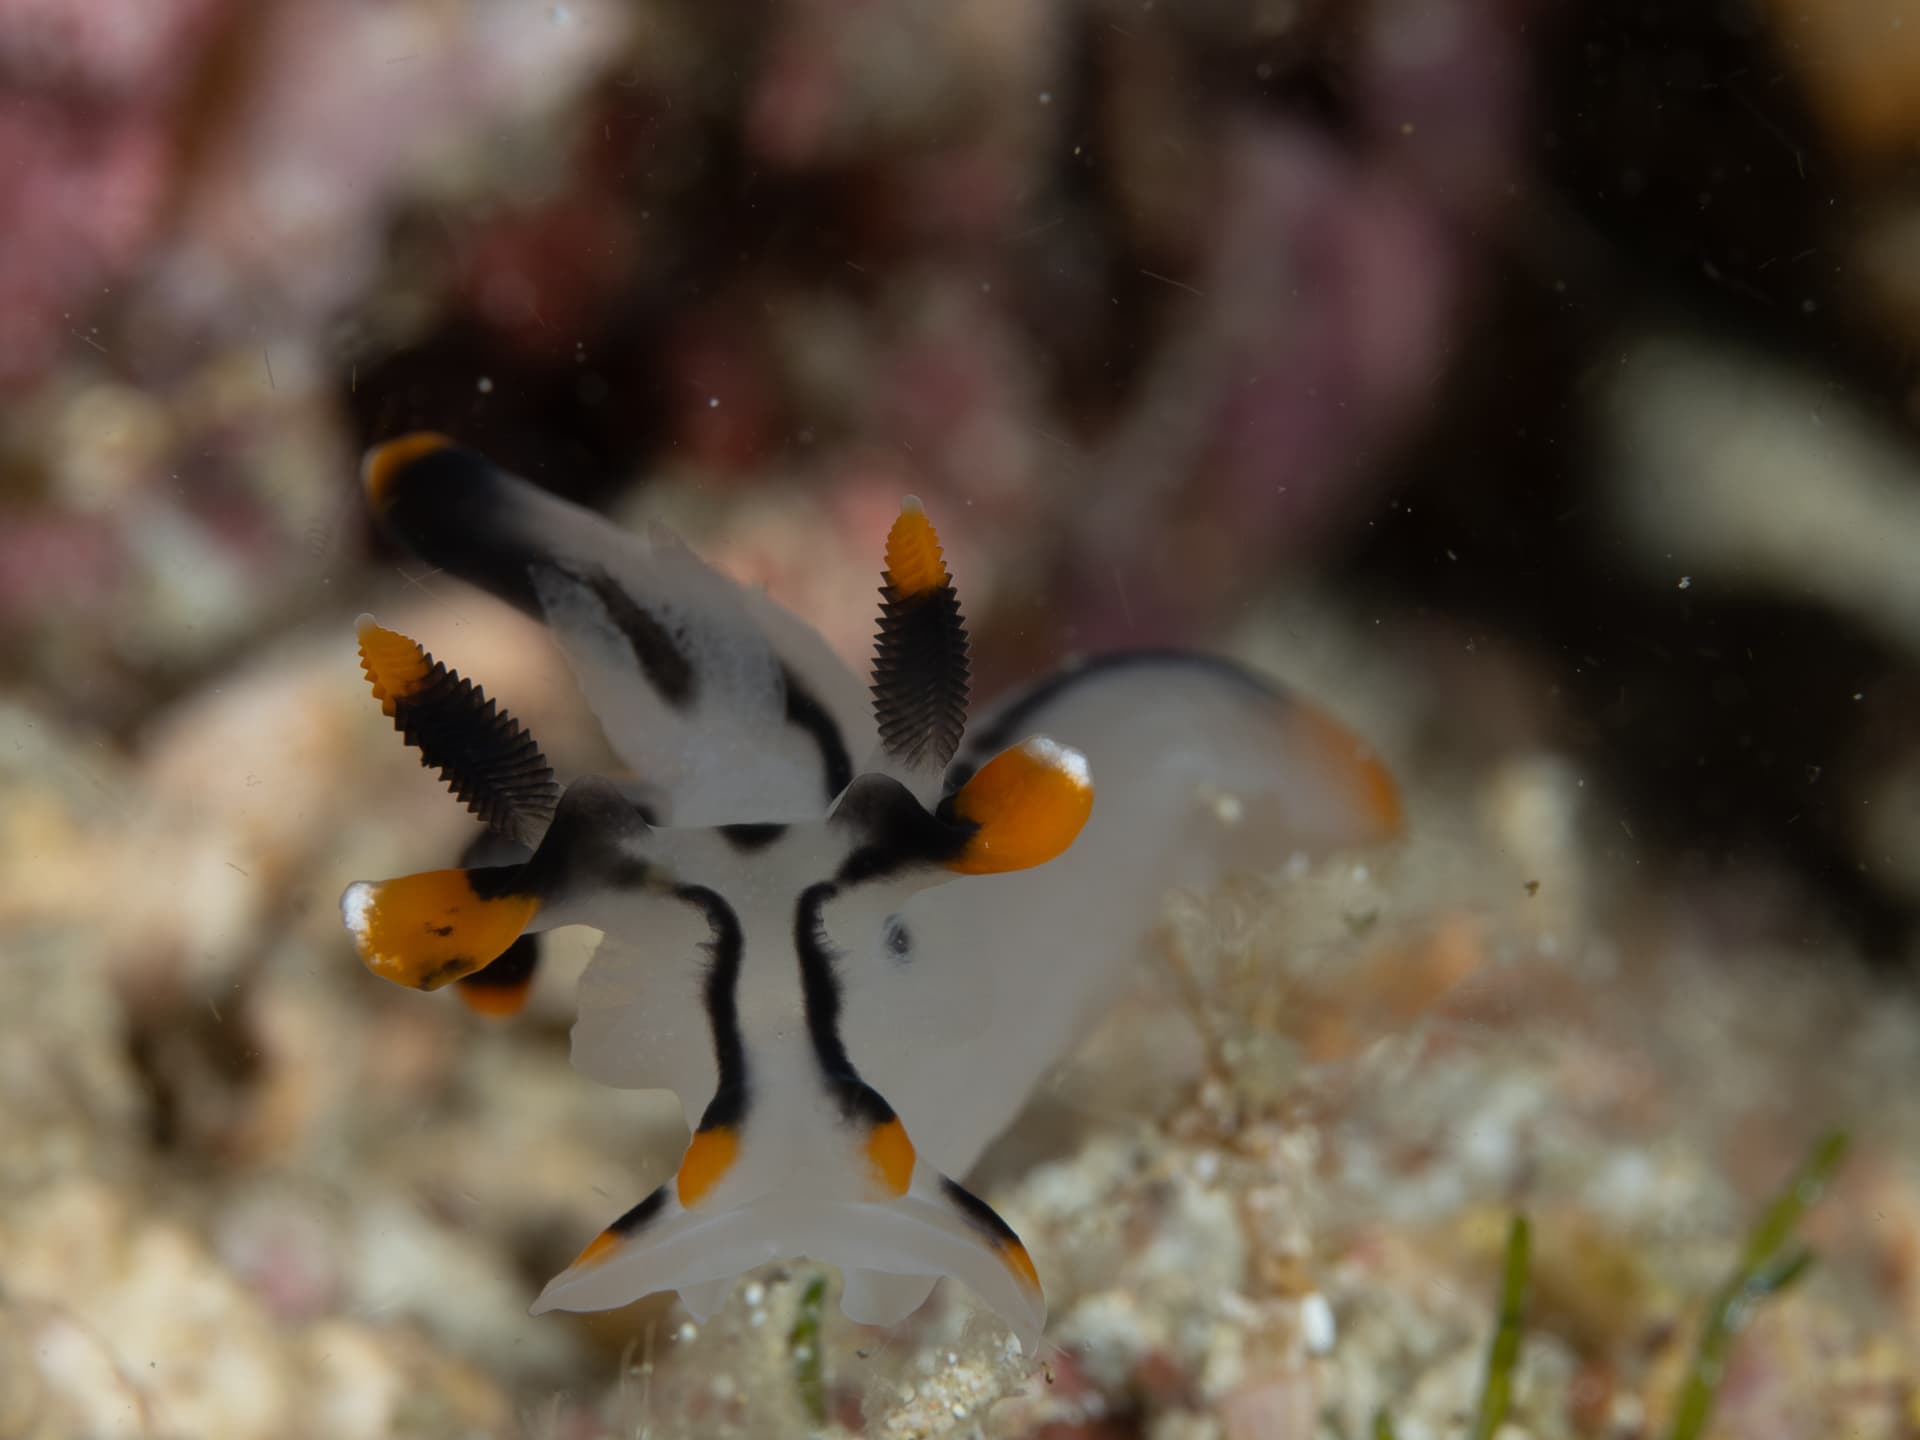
x: 910, y: 505
x: 355, y: 903
x: 1055, y: 756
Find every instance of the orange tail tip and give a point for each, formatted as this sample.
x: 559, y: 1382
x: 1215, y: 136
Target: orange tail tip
x: 1014, y: 1255
x: 424, y: 931
x: 394, y: 665
x: 600, y: 1249
x: 891, y: 1157
x: 914, y: 562
x: 386, y: 460
x: 1028, y: 802
x: 710, y: 1154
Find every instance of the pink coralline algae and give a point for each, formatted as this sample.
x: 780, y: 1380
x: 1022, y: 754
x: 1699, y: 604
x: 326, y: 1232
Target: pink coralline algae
x: 89, y: 91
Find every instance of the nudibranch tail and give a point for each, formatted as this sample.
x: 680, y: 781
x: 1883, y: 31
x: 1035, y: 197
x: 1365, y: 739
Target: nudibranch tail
x: 487, y: 758
x: 890, y: 1250
x: 1025, y: 806
x: 426, y: 930
x: 920, y: 669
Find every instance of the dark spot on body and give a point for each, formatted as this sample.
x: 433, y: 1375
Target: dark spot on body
x: 443, y: 972
x: 899, y: 939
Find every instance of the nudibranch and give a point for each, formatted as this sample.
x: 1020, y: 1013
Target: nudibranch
x: 851, y: 977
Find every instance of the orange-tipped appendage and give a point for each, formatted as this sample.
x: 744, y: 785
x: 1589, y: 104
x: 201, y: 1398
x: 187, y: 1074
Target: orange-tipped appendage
x: 1029, y: 803
x: 386, y: 460
x: 891, y: 1156
x: 1016, y: 1259
x: 710, y: 1154
x: 914, y: 563
x: 424, y: 931
x: 496, y: 1002
x: 599, y: 1250
x: 394, y: 665
x: 1350, y: 761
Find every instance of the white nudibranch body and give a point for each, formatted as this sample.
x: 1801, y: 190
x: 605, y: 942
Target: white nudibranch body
x: 852, y: 979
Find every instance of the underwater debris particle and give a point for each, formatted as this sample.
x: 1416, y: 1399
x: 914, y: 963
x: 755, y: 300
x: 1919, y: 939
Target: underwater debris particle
x: 1317, y: 1329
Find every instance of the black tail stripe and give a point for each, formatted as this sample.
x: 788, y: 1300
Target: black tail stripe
x: 858, y: 1101
x: 730, y: 1097
x: 979, y: 1214
x: 640, y: 1214
x: 819, y: 984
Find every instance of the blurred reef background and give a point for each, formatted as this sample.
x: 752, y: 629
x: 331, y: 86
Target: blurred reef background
x: 1533, y: 381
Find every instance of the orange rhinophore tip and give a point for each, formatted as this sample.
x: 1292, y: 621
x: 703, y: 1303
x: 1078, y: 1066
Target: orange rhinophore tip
x: 386, y: 460
x: 1368, y: 784
x: 395, y: 666
x: 914, y: 563
x: 1029, y: 803
x: 426, y: 930
x: 890, y: 1154
x: 710, y: 1154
